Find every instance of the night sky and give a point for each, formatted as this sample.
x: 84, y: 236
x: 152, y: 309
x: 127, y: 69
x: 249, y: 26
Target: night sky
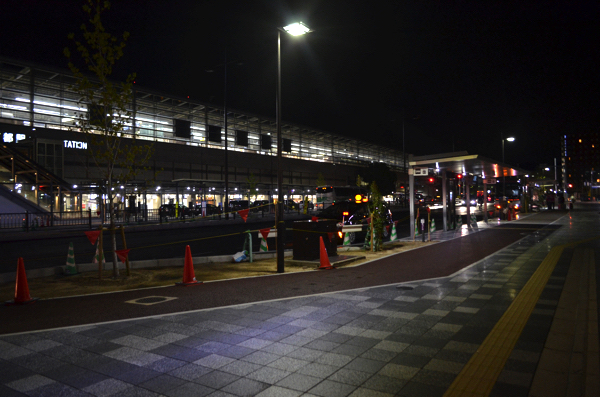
x: 459, y: 73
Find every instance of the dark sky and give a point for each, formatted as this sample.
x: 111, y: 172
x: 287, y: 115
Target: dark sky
x: 460, y: 73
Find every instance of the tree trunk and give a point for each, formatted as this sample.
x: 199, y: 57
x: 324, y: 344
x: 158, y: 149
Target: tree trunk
x: 113, y: 238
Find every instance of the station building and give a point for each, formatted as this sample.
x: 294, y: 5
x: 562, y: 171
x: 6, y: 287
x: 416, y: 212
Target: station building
x: 44, y: 158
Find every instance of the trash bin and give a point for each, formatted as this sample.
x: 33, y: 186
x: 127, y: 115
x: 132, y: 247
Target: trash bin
x: 307, y: 244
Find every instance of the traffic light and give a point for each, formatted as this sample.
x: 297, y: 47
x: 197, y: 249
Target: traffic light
x: 458, y: 176
x: 431, y: 180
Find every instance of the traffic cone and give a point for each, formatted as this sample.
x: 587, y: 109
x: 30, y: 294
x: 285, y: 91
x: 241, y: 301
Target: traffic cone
x: 324, y: 258
x: 346, y: 239
x: 189, y: 278
x: 432, y: 228
x: 394, y: 235
x: 71, y: 268
x: 22, y: 288
x: 263, y: 245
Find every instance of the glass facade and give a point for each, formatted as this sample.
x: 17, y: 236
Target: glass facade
x: 39, y: 97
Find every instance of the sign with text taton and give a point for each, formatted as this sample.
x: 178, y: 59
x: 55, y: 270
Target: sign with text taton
x: 421, y: 171
x: 75, y: 144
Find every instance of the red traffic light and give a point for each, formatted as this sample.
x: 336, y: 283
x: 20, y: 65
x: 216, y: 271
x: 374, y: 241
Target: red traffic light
x: 431, y: 180
x: 458, y: 176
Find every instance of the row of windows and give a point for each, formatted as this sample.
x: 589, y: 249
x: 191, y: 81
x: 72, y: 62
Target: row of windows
x: 159, y: 118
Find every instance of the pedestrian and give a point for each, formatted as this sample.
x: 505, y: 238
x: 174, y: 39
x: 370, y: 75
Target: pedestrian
x: 550, y: 200
x: 561, y: 202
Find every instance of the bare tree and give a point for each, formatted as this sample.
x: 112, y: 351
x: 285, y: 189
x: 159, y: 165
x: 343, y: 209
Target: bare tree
x: 107, y: 121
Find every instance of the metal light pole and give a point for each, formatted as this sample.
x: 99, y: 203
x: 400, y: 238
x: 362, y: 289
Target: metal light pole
x: 225, y: 64
x: 226, y: 206
x: 510, y: 139
x: 295, y: 29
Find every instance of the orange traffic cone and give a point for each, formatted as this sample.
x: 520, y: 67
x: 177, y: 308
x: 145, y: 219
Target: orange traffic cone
x: 22, y: 288
x: 324, y: 258
x: 189, y: 278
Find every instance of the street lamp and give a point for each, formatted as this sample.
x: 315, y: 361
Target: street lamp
x: 224, y: 65
x: 295, y: 29
x: 510, y: 139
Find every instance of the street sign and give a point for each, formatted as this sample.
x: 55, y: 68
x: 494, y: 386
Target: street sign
x: 489, y: 181
x: 421, y: 171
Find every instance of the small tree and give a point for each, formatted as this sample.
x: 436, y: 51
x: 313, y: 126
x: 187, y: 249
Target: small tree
x: 107, y: 123
x: 377, y: 216
x: 320, y: 179
x: 359, y: 181
x: 251, y: 180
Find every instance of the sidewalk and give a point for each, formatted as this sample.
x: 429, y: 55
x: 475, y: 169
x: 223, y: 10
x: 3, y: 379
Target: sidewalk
x: 393, y: 339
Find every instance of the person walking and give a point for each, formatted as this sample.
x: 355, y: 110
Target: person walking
x: 550, y: 200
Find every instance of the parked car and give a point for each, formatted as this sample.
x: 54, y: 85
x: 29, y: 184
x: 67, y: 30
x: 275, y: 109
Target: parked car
x: 170, y: 210
x: 237, y: 205
x: 290, y: 205
x: 351, y: 213
x: 211, y: 209
x: 260, y: 205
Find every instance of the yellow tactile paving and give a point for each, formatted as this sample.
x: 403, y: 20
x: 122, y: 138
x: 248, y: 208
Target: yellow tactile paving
x: 481, y: 372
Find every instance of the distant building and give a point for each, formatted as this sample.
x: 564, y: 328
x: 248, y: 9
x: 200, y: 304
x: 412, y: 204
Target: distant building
x: 581, y: 164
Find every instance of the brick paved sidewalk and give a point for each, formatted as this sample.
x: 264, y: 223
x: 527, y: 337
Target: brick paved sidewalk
x: 404, y: 339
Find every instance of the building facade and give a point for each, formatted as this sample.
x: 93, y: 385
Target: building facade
x: 38, y: 110
x: 580, y: 164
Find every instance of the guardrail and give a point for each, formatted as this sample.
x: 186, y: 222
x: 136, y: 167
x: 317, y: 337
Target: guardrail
x: 34, y: 220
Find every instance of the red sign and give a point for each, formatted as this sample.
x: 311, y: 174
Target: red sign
x: 264, y: 232
x: 244, y: 214
x: 92, y: 236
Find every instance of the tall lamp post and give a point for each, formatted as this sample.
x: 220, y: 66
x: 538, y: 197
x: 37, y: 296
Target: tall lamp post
x: 295, y: 29
x: 224, y: 65
x: 510, y: 139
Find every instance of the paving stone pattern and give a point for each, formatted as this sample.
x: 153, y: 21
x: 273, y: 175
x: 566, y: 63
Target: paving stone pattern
x: 395, y: 340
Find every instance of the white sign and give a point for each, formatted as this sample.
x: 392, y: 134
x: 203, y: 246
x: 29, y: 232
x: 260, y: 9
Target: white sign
x: 9, y: 137
x: 75, y: 144
x: 421, y: 171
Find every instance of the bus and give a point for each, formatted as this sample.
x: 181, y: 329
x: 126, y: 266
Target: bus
x: 328, y: 195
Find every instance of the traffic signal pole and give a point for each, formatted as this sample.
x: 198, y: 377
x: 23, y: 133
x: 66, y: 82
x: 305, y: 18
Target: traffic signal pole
x: 411, y: 201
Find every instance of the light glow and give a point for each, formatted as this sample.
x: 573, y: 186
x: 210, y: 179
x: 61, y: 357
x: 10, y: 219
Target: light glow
x: 296, y: 29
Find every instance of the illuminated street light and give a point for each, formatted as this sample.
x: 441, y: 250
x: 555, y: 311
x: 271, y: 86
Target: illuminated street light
x: 510, y: 139
x: 295, y: 29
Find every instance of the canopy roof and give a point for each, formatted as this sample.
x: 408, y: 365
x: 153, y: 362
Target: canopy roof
x: 464, y: 163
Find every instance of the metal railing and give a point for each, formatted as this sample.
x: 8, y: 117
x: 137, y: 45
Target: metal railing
x: 29, y: 221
